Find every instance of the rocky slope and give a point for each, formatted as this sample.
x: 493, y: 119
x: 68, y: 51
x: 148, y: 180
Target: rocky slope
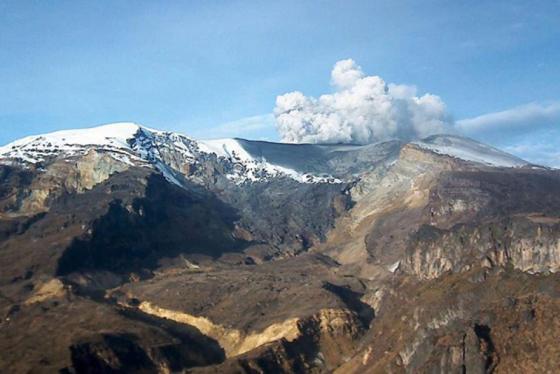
x: 124, y: 248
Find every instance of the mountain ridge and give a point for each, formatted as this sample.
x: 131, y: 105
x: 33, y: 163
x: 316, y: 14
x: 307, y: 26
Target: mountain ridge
x: 163, y: 253
x: 126, y: 137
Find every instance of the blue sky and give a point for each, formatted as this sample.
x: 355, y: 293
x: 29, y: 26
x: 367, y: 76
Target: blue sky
x: 215, y: 68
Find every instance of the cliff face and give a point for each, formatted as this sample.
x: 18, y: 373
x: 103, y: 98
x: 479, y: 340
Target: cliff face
x: 73, y: 175
x: 160, y: 253
x: 488, y: 218
x: 477, y: 321
x: 521, y: 243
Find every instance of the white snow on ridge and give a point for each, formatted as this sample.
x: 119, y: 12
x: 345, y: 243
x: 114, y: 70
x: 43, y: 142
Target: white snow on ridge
x: 124, y: 142
x: 168, y: 152
x: 134, y: 144
x: 228, y: 148
x: 35, y: 148
x: 110, y: 134
x: 255, y: 168
x: 469, y: 150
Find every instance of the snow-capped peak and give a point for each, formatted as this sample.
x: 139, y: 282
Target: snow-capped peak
x: 241, y: 160
x: 168, y: 152
x: 113, y: 133
x: 36, y: 148
x: 469, y: 150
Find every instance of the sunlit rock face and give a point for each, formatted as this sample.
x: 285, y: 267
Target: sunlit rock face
x: 521, y: 243
x: 161, y: 253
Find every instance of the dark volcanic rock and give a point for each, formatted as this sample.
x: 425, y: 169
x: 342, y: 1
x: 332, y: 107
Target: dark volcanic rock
x: 165, y: 222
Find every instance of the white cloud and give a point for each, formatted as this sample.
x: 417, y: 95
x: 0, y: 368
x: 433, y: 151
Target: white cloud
x: 363, y: 109
x: 523, y: 118
x: 345, y: 74
x: 538, y: 149
x: 530, y: 131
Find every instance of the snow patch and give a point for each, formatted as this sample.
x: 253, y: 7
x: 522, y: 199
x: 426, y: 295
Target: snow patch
x: 255, y: 168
